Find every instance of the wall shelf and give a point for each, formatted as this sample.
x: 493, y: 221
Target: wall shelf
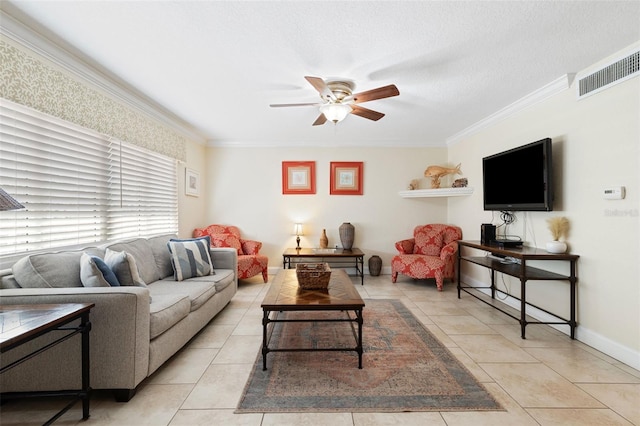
x: 439, y: 192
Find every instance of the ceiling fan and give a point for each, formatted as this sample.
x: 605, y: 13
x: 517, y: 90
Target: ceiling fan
x: 339, y: 100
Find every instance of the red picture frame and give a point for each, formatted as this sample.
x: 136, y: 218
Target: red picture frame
x: 346, y: 178
x: 298, y: 177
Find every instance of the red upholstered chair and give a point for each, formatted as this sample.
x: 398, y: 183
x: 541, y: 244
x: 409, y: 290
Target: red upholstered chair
x: 250, y: 261
x: 431, y: 253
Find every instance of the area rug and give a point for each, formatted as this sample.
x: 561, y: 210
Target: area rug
x: 405, y: 368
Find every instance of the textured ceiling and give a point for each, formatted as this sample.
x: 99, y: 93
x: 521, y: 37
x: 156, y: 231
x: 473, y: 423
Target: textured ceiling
x: 218, y: 65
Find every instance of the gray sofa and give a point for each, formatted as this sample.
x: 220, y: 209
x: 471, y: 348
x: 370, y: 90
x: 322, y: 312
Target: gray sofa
x: 135, y: 329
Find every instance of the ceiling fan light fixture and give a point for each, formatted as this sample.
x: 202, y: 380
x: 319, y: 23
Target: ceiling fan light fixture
x: 335, y: 112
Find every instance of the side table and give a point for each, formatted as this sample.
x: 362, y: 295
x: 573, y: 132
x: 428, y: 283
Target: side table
x: 20, y: 324
x: 352, y: 258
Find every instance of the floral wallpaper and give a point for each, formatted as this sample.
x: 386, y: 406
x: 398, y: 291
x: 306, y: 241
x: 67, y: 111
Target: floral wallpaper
x: 32, y: 82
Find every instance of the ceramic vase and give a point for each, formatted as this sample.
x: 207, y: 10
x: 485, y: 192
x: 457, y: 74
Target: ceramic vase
x: 556, y: 247
x: 347, y: 233
x: 375, y: 265
x: 324, y: 241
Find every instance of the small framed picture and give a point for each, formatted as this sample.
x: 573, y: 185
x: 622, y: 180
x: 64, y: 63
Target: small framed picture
x: 192, y: 183
x: 346, y: 178
x: 298, y: 177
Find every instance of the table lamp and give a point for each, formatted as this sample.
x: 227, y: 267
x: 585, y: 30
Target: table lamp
x: 7, y: 202
x: 297, y: 231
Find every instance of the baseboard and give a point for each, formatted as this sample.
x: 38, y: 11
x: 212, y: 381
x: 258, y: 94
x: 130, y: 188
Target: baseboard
x: 597, y: 341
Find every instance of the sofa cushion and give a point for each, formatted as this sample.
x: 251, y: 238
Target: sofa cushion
x: 124, y: 266
x: 198, y: 290
x: 226, y: 240
x: 161, y: 254
x: 93, y: 275
x: 221, y: 278
x: 167, y: 310
x: 190, y: 258
x: 59, y: 269
x: 142, y: 252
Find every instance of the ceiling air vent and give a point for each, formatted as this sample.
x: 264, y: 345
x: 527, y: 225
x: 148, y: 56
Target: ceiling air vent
x: 609, y: 75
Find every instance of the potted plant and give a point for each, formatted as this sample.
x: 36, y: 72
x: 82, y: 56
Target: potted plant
x: 559, y: 228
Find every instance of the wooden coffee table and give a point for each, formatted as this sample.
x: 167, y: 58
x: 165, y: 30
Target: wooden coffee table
x: 285, y: 295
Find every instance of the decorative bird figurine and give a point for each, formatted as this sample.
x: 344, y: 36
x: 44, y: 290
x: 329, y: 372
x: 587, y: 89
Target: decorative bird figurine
x: 437, y: 172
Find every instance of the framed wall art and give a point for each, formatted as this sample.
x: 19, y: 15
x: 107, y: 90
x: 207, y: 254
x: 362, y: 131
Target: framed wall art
x: 346, y: 178
x: 298, y: 177
x: 191, y: 183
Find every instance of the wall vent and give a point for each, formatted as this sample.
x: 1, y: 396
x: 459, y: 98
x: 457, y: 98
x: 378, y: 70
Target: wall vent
x: 611, y: 74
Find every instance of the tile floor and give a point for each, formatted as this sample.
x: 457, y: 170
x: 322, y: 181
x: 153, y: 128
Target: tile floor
x: 547, y: 379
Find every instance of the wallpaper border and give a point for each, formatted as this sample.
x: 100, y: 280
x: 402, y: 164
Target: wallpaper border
x: 29, y: 80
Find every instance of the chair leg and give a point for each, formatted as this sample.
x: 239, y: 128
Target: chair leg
x: 439, y: 279
x: 265, y: 276
x: 394, y: 277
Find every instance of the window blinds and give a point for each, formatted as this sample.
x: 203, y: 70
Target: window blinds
x: 77, y: 186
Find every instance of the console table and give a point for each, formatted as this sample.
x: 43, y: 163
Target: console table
x: 352, y: 258
x: 525, y: 273
x: 23, y: 323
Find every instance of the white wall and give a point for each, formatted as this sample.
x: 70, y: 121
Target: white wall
x: 191, y: 210
x: 244, y: 188
x: 595, y: 144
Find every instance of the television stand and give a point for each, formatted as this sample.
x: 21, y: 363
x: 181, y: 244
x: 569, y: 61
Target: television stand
x: 508, y: 243
x: 524, y: 273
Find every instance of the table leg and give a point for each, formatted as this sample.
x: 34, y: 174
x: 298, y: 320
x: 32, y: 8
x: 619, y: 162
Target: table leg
x: 359, y: 347
x: 265, y: 349
x: 85, y: 325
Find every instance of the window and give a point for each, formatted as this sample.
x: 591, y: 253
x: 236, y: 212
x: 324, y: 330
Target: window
x: 78, y: 186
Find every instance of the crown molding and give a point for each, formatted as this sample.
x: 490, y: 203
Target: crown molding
x: 558, y: 85
x: 22, y: 34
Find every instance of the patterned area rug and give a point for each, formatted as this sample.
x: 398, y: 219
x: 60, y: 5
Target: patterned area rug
x: 405, y: 368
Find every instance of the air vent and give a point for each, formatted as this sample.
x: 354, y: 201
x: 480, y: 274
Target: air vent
x: 609, y: 75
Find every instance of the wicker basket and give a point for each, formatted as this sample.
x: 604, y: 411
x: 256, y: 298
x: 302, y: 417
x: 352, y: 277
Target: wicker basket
x: 313, y: 276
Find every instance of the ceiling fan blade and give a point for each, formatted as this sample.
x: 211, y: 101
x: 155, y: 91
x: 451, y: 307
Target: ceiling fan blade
x: 320, y: 120
x: 373, y: 94
x: 366, y: 113
x: 321, y: 87
x: 294, y: 105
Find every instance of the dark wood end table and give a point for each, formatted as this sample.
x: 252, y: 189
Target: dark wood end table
x: 353, y: 258
x: 20, y: 324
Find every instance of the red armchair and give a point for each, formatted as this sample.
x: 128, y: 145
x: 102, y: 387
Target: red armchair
x: 431, y: 253
x: 250, y: 261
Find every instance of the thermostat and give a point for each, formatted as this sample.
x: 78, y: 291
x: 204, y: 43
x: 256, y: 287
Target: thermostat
x: 614, y: 193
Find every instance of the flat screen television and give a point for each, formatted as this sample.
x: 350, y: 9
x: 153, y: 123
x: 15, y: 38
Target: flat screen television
x: 520, y: 179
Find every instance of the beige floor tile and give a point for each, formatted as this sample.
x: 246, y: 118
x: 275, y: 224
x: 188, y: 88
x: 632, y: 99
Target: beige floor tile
x: 212, y: 336
x: 578, y: 365
x: 491, y: 348
x: 239, y: 350
x: 398, y: 419
x: 431, y: 308
x: 219, y: 388
x: 537, y: 336
x: 315, y: 419
x: 512, y: 414
x: 577, y: 417
x: 187, y: 366
x: 538, y: 386
x: 461, y: 324
x: 152, y: 405
x: 624, y: 399
x: 471, y: 365
x: 230, y: 316
x: 215, y: 417
x: 489, y: 315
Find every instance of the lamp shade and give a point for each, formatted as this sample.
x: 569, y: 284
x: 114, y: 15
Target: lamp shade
x: 297, y: 229
x: 335, y: 112
x: 7, y: 202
